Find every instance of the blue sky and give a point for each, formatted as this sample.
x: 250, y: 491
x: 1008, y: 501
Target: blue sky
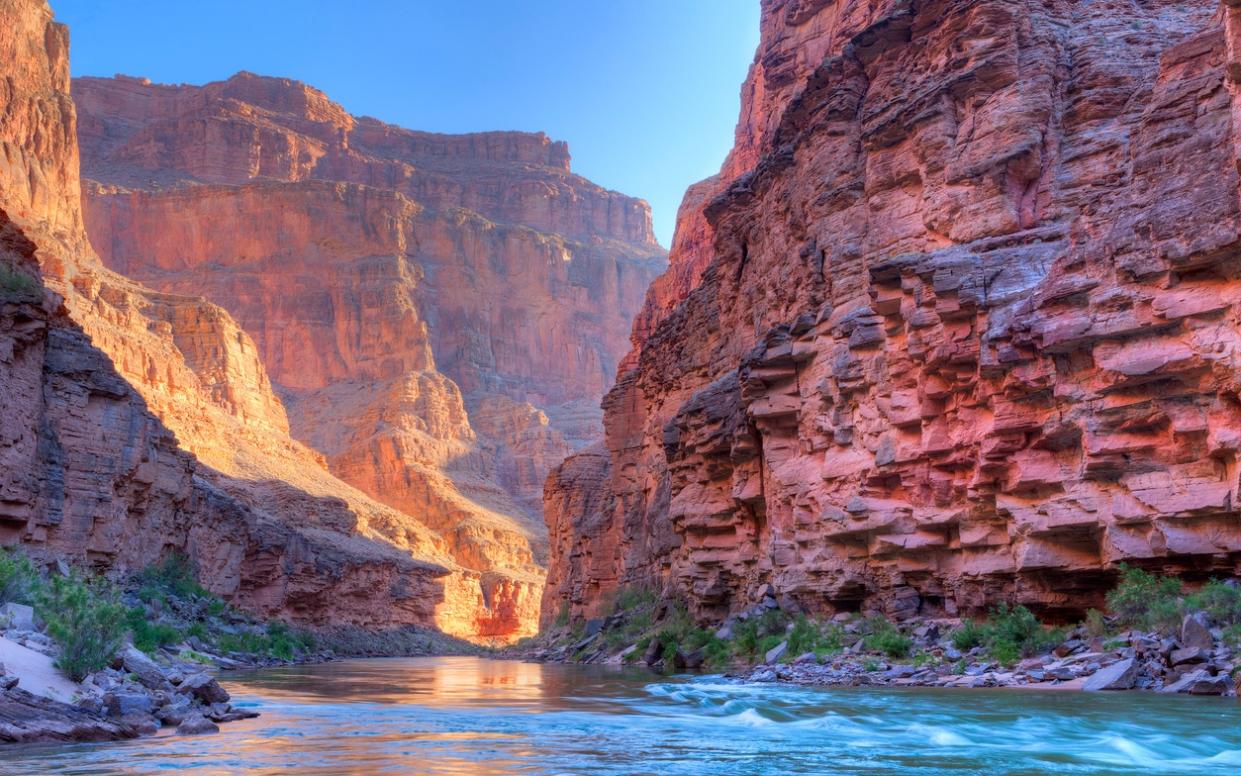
x: 646, y: 92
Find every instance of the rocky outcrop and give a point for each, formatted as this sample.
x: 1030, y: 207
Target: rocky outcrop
x: 964, y: 330
x: 434, y: 311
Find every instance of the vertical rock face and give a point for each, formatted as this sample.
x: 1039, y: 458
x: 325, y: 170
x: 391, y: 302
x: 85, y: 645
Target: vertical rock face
x: 439, y: 315
x: 957, y: 322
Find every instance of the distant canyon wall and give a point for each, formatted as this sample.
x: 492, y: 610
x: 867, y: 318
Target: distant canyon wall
x: 347, y: 380
x: 957, y: 322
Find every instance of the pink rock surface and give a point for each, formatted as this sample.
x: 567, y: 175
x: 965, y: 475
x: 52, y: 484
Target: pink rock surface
x: 955, y: 324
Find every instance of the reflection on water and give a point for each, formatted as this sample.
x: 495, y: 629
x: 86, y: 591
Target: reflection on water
x: 463, y: 715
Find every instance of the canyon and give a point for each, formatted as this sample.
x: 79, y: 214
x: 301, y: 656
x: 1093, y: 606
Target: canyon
x: 956, y: 323
x: 328, y: 359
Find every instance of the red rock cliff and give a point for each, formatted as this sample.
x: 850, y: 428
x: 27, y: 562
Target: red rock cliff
x: 956, y: 323
x: 439, y: 314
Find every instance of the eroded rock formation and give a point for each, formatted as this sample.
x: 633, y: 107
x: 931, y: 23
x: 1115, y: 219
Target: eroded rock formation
x: 138, y: 421
x: 438, y: 313
x: 957, y: 323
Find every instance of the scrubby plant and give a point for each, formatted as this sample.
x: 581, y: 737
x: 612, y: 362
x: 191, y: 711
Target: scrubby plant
x: 883, y: 636
x: 1145, y: 601
x: 562, y: 616
x: 1094, y: 623
x: 971, y: 634
x: 172, y: 575
x: 15, y: 284
x: 631, y: 597
x: 1008, y: 634
x: 1220, y: 601
x: 808, y: 635
x: 86, y: 619
x: 19, y: 580
x: 1014, y: 632
x: 149, y: 636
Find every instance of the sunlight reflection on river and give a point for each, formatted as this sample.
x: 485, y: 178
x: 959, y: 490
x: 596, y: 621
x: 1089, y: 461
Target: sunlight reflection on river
x: 465, y: 715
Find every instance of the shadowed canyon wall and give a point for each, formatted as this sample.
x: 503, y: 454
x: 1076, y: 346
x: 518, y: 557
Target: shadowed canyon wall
x: 337, y: 388
x: 87, y: 471
x: 957, y: 322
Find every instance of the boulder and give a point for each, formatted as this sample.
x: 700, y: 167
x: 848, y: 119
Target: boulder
x: 144, y: 724
x: 1189, y: 655
x: 653, y: 652
x: 693, y: 660
x: 143, y: 668
x: 17, y: 617
x: 1200, y: 682
x: 205, y: 688
x: 1196, y: 632
x: 175, y: 711
x: 123, y: 704
x: 775, y: 653
x: 197, y: 725
x: 1121, y: 675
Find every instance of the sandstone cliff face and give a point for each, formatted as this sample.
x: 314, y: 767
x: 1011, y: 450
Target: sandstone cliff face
x: 439, y: 315
x: 966, y: 330
x: 95, y: 390
x: 88, y: 473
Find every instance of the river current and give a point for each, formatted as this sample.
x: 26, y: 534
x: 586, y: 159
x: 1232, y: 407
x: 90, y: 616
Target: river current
x: 456, y: 715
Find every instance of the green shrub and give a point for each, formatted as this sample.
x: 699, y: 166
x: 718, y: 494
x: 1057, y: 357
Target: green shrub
x: 1221, y: 602
x: 1009, y: 634
x: 1145, y: 601
x: 150, y: 636
x: 15, y: 284
x: 562, y: 616
x: 173, y: 575
x: 19, y: 580
x: 808, y: 635
x: 631, y: 597
x: 86, y: 619
x: 1095, y: 624
x: 277, y: 640
x: 1015, y: 632
x: 883, y: 636
x: 971, y: 634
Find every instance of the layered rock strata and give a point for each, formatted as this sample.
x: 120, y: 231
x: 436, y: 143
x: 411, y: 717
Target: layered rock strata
x: 957, y: 322
x: 438, y: 314
x: 139, y: 422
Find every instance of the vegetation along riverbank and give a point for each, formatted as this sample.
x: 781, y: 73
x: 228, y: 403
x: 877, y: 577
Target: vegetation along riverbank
x: 1156, y: 636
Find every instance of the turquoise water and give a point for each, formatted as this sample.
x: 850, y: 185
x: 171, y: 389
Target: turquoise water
x: 470, y: 716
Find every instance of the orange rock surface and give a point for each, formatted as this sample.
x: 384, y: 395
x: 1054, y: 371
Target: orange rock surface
x: 956, y: 323
x: 141, y: 421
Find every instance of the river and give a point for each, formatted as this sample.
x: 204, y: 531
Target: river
x: 470, y: 716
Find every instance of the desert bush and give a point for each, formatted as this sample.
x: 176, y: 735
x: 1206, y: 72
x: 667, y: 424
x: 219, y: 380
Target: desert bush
x: 1145, y: 601
x: 1220, y: 601
x: 19, y: 580
x: 15, y: 284
x: 883, y: 636
x: 971, y: 634
x: 87, y: 621
x: 1008, y: 634
x: 149, y: 636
